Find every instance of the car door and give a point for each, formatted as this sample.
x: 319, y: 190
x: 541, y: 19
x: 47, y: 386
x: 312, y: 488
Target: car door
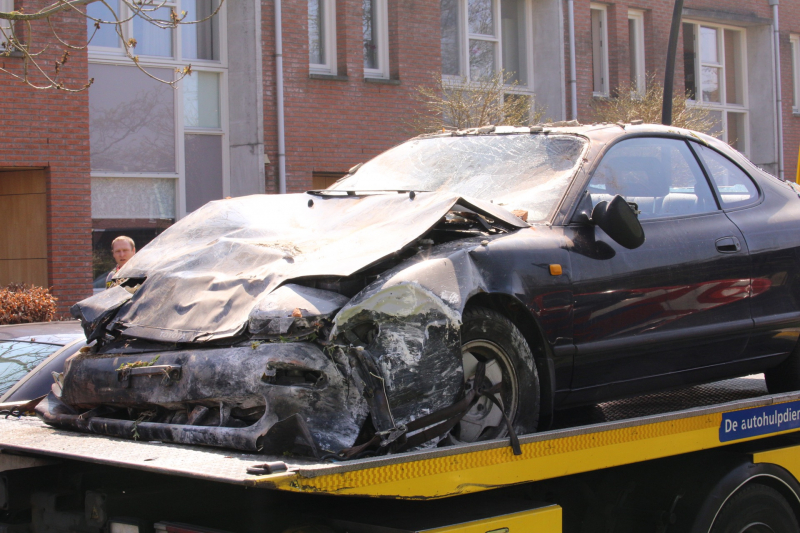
x: 677, y: 303
x: 769, y: 221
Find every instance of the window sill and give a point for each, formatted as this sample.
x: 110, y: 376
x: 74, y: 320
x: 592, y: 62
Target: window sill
x: 329, y: 77
x: 382, y: 81
x: 15, y: 53
x: 796, y: 112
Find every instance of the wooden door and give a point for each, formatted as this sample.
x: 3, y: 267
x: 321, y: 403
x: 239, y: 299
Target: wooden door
x: 23, y: 227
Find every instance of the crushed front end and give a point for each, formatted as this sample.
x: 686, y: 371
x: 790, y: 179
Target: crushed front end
x: 262, y: 393
x: 237, y: 329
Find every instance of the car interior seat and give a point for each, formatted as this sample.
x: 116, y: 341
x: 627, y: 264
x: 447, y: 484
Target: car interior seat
x: 639, y: 180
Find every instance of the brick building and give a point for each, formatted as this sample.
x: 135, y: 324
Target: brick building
x: 45, y: 235
x: 132, y: 155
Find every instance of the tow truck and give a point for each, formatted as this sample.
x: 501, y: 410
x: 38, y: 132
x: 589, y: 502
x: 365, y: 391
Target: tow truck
x: 720, y: 457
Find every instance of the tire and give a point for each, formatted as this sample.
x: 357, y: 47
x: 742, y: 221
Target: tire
x: 786, y: 376
x: 492, y: 338
x: 756, y: 508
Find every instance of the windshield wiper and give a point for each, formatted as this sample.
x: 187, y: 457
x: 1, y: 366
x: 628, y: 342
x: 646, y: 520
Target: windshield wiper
x: 363, y: 192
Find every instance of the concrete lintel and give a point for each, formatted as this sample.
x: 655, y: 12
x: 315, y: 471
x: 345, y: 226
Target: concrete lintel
x: 245, y: 98
x: 725, y: 17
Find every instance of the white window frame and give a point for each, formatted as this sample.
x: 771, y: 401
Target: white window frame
x: 463, y: 46
x: 328, y: 66
x: 640, y: 78
x: 722, y: 106
x: 382, y: 21
x: 794, y: 41
x: 604, y: 85
x: 112, y: 56
x: 6, y: 6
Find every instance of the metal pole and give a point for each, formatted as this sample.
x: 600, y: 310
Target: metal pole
x: 669, y: 72
x: 279, y: 96
x: 779, y: 104
x: 573, y: 77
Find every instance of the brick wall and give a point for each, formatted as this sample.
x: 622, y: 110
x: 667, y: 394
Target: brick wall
x: 332, y: 125
x: 50, y: 129
x: 789, y: 23
x: 658, y: 18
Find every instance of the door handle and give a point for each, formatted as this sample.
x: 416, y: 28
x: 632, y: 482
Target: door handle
x: 728, y: 245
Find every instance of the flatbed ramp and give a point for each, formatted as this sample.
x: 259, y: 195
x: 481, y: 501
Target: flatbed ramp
x: 612, y: 434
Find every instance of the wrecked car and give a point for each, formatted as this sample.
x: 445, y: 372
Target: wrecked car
x: 459, y: 287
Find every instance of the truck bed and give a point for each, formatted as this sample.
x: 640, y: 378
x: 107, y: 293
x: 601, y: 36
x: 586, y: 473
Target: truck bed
x: 609, y: 434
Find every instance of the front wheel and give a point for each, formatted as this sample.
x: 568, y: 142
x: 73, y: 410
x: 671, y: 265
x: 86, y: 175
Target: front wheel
x: 491, y: 338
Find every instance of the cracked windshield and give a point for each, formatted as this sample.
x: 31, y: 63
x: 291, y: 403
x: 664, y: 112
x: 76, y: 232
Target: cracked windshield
x: 518, y: 172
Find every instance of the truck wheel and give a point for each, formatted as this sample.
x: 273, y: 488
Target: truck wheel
x: 490, y: 337
x: 756, y: 509
x: 786, y: 376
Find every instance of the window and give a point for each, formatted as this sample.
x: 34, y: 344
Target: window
x: 156, y: 153
x: 795, y: 43
x: 375, y: 34
x: 451, y: 37
x: 661, y: 176
x: 18, y: 358
x: 734, y: 187
x: 714, y: 74
x: 481, y: 37
x: 104, y: 37
x: 322, y: 36
x: 636, y: 51
x: 599, y: 50
x: 5, y: 25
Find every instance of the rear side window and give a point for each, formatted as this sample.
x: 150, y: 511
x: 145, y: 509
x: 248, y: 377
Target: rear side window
x: 735, y: 188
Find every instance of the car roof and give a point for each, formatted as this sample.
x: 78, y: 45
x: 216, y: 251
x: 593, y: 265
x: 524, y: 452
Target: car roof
x: 599, y: 132
x: 61, y: 333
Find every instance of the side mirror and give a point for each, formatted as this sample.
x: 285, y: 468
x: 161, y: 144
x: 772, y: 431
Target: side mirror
x: 619, y: 221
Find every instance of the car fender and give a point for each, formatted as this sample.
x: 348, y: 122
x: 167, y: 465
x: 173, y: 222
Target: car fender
x: 409, y: 320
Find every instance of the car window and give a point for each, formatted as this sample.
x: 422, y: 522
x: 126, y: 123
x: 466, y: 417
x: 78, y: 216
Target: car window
x: 519, y: 172
x: 735, y: 188
x: 17, y: 358
x: 39, y: 381
x: 100, y: 281
x: 661, y: 176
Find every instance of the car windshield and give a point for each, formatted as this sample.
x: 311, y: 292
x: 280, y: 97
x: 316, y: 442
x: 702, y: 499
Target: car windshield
x: 527, y: 172
x: 17, y: 358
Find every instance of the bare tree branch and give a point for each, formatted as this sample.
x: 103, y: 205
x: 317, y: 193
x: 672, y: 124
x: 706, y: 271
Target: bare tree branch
x: 627, y: 105
x: 454, y: 104
x: 39, y: 75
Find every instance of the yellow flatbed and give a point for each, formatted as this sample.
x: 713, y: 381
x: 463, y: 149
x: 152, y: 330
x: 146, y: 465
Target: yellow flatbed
x: 633, y: 432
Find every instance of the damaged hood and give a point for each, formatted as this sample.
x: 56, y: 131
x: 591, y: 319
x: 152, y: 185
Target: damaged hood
x: 204, y: 275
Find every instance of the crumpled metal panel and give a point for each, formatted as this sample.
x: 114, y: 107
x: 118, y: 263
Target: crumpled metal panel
x: 417, y: 306
x: 242, y: 377
x: 416, y: 347
x: 99, y: 309
x: 273, y: 313
x: 205, y: 273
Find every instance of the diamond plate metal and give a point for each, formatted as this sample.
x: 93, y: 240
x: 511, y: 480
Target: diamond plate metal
x: 29, y: 434
x: 718, y: 392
